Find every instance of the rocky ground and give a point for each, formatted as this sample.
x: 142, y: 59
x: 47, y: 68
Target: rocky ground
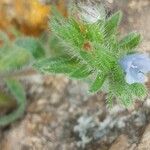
x: 60, y: 114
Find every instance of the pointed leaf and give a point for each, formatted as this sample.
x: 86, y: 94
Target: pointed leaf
x: 112, y: 23
x: 130, y: 41
x: 57, y: 65
x: 97, y: 84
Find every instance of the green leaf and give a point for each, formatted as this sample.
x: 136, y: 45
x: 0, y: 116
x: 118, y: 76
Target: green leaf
x: 112, y: 23
x: 94, y: 33
x: 89, y: 58
x: 81, y: 72
x: 101, y: 57
x: 130, y: 41
x: 19, y: 94
x: 68, y: 31
x: 32, y: 45
x: 97, y: 84
x: 13, y: 57
x: 57, y: 65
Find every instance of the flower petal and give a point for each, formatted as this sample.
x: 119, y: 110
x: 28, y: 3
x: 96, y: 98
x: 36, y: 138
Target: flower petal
x: 126, y: 62
x: 135, y: 76
x: 138, y: 60
x: 143, y: 64
x: 129, y: 79
x: 135, y: 67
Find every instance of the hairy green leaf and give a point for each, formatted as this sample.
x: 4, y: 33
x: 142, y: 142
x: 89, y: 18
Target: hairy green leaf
x: 97, y: 84
x: 130, y: 41
x: 89, y: 58
x: 81, y: 72
x: 112, y: 23
x: 57, y: 65
x: 94, y: 33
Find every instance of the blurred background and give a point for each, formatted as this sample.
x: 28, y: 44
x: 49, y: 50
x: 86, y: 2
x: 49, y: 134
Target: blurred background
x: 59, y: 114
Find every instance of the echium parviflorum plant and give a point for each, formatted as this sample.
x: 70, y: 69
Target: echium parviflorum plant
x: 93, y: 52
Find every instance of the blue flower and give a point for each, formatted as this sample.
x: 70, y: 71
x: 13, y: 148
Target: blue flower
x: 136, y: 66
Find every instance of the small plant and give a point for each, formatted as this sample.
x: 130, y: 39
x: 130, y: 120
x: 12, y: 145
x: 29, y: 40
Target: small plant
x: 15, y: 56
x: 94, y: 52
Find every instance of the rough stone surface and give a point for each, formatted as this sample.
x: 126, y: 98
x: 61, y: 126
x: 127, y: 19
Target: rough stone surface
x: 145, y: 141
x: 121, y: 143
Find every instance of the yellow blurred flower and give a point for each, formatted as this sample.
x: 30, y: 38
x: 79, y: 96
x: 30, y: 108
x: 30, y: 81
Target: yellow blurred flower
x: 28, y: 16
x: 31, y: 15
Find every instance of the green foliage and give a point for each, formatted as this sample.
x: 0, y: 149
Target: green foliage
x: 112, y: 23
x: 94, y: 50
x: 32, y: 45
x: 15, y: 55
x: 17, y: 91
x: 80, y: 72
x: 71, y: 67
x: 97, y: 84
x: 130, y: 41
